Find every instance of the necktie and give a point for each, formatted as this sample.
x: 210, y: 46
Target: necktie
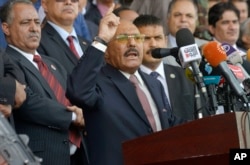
x: 155, y: 75
x: 58, y: 91
x: 72, y: 46
x: 144, y: 102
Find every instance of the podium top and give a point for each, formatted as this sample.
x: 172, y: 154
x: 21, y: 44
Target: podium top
x: 211, y: 136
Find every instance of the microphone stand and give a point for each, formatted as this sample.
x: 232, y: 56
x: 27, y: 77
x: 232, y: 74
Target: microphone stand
x: 199, y: 78
x: 226, y: 89
x: 213, y: 103
x: 197, y: 104
x: 230, y: 99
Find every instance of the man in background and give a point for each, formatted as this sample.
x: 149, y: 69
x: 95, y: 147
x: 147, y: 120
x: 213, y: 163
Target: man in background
x: 181, y: 14
x: 179, y: 90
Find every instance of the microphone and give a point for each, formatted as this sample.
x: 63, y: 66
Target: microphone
x: 216, y: 56
x: 189, y: 55
x: 212, y: 78
x: 164, y: 52
x: 235, y: 58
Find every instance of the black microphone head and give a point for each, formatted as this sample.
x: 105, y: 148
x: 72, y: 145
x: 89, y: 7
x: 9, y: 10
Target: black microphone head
x: 164, y: 52
x: 156, y: 53
x: 184, y: 37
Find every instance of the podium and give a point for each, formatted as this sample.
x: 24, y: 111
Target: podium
x: 202, y: 141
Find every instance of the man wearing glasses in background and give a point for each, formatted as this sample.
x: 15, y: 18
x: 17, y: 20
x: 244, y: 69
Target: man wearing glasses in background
x: 111, y: 94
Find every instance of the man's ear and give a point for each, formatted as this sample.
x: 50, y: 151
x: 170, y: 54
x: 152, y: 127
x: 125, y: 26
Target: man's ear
x: 5, y: 28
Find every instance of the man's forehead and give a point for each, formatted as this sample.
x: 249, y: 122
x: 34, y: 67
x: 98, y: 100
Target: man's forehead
x: 128, y: 27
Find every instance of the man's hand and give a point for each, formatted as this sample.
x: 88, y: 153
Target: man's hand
x: 108, y: 25
x: 79, y: 121
x: 5, y: 109
x: 20, y: 95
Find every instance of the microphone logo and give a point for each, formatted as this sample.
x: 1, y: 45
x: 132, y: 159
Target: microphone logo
x: 226, y: 48
x: 190, y: 52
x: 208, y: 68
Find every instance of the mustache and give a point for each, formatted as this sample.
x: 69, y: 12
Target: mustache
x: 131, y: 50
x: 68, y: 8
x: 34, y: 34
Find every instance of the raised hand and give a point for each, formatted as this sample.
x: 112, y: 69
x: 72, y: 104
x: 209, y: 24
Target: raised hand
x: 108, y: 25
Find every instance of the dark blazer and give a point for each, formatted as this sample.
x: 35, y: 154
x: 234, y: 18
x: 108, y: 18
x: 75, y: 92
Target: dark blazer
x: 93, y: 14
x: 53, y: 45
x: 112, y: 111
x: 181, y: 92
x: 42, y: 117
x: 9, y: 72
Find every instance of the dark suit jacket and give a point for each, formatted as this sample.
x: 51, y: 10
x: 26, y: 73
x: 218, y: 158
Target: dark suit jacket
x: 93, y: 14
x: 52, y: 45
x: 181, y: 92
x: 8, y: 73
x: 112, y: 111
x: 42, y: 117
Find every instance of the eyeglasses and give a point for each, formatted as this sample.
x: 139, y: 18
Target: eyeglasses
x: 123, y: 38
x: 73, y: 1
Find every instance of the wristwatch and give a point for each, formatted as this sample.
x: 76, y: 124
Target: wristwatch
x: 98, y: 39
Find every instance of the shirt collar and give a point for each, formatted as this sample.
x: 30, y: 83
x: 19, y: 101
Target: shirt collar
x: 159, y: 70
x: 63, y: 33
x: 138, y: 76
x: 29, y: 56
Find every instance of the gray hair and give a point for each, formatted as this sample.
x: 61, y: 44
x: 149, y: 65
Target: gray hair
x: 6, y: 14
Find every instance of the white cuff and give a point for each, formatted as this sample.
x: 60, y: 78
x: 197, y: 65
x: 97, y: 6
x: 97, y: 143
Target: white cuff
x: 99, y: 46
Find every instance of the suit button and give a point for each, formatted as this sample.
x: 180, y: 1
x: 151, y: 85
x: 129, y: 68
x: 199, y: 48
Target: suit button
x: 65, y: 141
x: 150, y: 130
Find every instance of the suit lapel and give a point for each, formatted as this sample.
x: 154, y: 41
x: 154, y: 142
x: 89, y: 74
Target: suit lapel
x: 31, y: 68
x: 127, y: 90
x: 170, y: 83
x: 62, y: 45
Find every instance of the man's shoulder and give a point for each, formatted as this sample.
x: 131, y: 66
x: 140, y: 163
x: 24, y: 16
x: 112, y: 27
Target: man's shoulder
x: 200, y: 42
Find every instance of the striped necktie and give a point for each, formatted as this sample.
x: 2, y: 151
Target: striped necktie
x: 59, y: 92
x: 72, y: 46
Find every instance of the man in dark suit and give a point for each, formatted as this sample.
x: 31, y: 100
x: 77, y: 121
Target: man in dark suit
x: 12, y: 93
x: 178, y: 88
x: 44, y: 119
x: 113, y: 109
x: 57, y: 29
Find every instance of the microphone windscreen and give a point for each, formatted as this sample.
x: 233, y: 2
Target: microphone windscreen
x: 184, y: 37
x: 214, y: 53
x: 156, y: 53
x: 164, y: 52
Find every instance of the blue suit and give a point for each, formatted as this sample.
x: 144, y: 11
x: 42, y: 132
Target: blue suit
x: 112, y: 111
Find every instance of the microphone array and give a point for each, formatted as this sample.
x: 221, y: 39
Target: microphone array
x: 225, y: 81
